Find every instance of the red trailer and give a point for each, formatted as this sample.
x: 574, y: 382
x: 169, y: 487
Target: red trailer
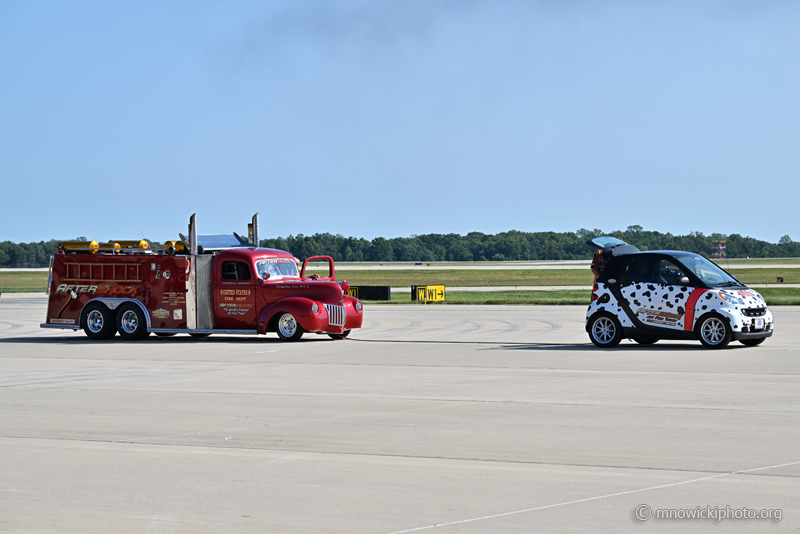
x: 220, y: 284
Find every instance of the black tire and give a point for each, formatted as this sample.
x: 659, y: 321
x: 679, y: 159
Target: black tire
x: 340, y: 336
x: 98, y: 321
x: 605, y: 330
x: 131, y: 322
x: 645, y: 340
x: 287, y: 327
x: 165, y: 334
x: 713, y: 331
x: 752, y: 342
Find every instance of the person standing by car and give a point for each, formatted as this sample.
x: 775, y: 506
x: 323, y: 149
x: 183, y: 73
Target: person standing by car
x: 599, y: 261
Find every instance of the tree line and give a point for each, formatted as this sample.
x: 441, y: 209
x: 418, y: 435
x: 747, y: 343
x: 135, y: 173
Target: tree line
x: 475, y: 246
x: 515, y: 245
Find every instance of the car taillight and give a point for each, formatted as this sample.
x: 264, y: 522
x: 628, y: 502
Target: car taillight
x: 594, y: 294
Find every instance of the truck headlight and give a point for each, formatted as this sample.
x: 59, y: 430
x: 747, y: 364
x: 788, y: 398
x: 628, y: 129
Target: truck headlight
x: 358, y: 306
x: 315, y: 307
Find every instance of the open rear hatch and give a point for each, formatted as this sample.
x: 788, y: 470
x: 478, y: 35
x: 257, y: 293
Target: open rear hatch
x: 616, y: 246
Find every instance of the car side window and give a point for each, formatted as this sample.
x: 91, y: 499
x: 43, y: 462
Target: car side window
x: 235, y: 270
x: 631, y: 271
x: 670, y: 272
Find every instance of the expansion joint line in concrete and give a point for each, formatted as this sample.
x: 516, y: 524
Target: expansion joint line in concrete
x: 587, y: 499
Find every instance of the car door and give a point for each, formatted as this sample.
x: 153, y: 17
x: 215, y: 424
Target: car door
x: 234, y: 296
x: 657, y: 290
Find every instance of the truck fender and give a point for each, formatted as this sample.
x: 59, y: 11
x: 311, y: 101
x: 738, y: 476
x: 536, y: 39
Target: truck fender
x: 114, y: 303
x: 354, y: 316
x: 300, y: 307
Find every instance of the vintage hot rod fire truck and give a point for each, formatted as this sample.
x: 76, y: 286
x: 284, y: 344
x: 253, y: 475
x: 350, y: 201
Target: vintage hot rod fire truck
x: 213, y: 284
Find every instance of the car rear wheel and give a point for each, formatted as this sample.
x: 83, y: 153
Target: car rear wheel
x: 98, y: 321
x: 605, y: 331
x: 714, y: 332
x: 340, y: 336
x: 752, y: 342
x: 288, y: 328
x: 131, y: 322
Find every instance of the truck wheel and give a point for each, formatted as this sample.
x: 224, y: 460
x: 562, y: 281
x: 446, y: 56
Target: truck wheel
x: 713, y: 331
x: 340, y: 336
x: 131, y: 322
x: 604, y: 330
x: 98, y: 321
x: 752, y: 342
x: 288, y: 328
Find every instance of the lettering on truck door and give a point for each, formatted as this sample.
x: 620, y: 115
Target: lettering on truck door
x: 234, y: 296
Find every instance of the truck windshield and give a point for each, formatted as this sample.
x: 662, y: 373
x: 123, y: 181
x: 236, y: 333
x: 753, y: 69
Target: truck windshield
x: 276, y: 268
x: 708, y: 272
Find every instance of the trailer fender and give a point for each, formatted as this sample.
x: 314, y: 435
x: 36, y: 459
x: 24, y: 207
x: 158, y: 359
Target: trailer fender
x: 300, y: 307
x: 113, y: 303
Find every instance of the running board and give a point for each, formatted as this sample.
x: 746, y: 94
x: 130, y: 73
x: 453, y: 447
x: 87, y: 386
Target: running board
x: 61, y: 326
x: 202, y: 331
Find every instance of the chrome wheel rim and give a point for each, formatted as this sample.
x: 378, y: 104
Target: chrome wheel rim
x: 287, y: 325
x: 94, y: 321
x: 604, y: 330
x: 129, y: 322
x: 713, y: 331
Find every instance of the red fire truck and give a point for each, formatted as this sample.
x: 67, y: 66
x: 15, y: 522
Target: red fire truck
x: 200, y: 285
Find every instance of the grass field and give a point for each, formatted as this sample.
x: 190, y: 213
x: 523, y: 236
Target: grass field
x: 23, y: 282
x: 35, y: 282
x: 780, y: 296
x: 524, y: 277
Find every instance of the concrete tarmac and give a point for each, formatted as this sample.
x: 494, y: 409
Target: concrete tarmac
x: 445, y: 419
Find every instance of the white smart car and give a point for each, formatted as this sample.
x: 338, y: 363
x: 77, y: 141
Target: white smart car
x: 667, y: 294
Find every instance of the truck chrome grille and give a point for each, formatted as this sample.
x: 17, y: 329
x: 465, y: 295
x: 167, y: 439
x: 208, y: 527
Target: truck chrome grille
x: 336, y: 314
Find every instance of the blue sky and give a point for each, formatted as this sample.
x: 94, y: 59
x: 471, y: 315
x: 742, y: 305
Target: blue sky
x: 398, y: 117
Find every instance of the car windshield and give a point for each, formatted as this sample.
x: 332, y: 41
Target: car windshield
x: 276, y: 268
x: 708, y: 272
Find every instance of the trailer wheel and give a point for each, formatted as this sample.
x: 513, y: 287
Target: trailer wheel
x: 98, y: 321
x: 340, y: 336
x: 288, y: 328
x: 131, y: 322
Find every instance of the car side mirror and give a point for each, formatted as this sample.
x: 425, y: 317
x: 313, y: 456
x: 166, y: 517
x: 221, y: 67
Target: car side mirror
x: 683, y: 281
x: 266, y: 277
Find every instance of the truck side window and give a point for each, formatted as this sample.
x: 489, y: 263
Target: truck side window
x: 235, y: 270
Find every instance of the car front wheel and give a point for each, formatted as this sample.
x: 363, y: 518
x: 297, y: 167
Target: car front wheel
x: 288, y: 328
x: 714, y: 332
x: 605, y: 330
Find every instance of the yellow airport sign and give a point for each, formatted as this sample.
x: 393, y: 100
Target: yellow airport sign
x: 430, y: 293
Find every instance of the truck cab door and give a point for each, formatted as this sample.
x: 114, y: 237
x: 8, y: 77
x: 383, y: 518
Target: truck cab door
x: 234, y: 295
